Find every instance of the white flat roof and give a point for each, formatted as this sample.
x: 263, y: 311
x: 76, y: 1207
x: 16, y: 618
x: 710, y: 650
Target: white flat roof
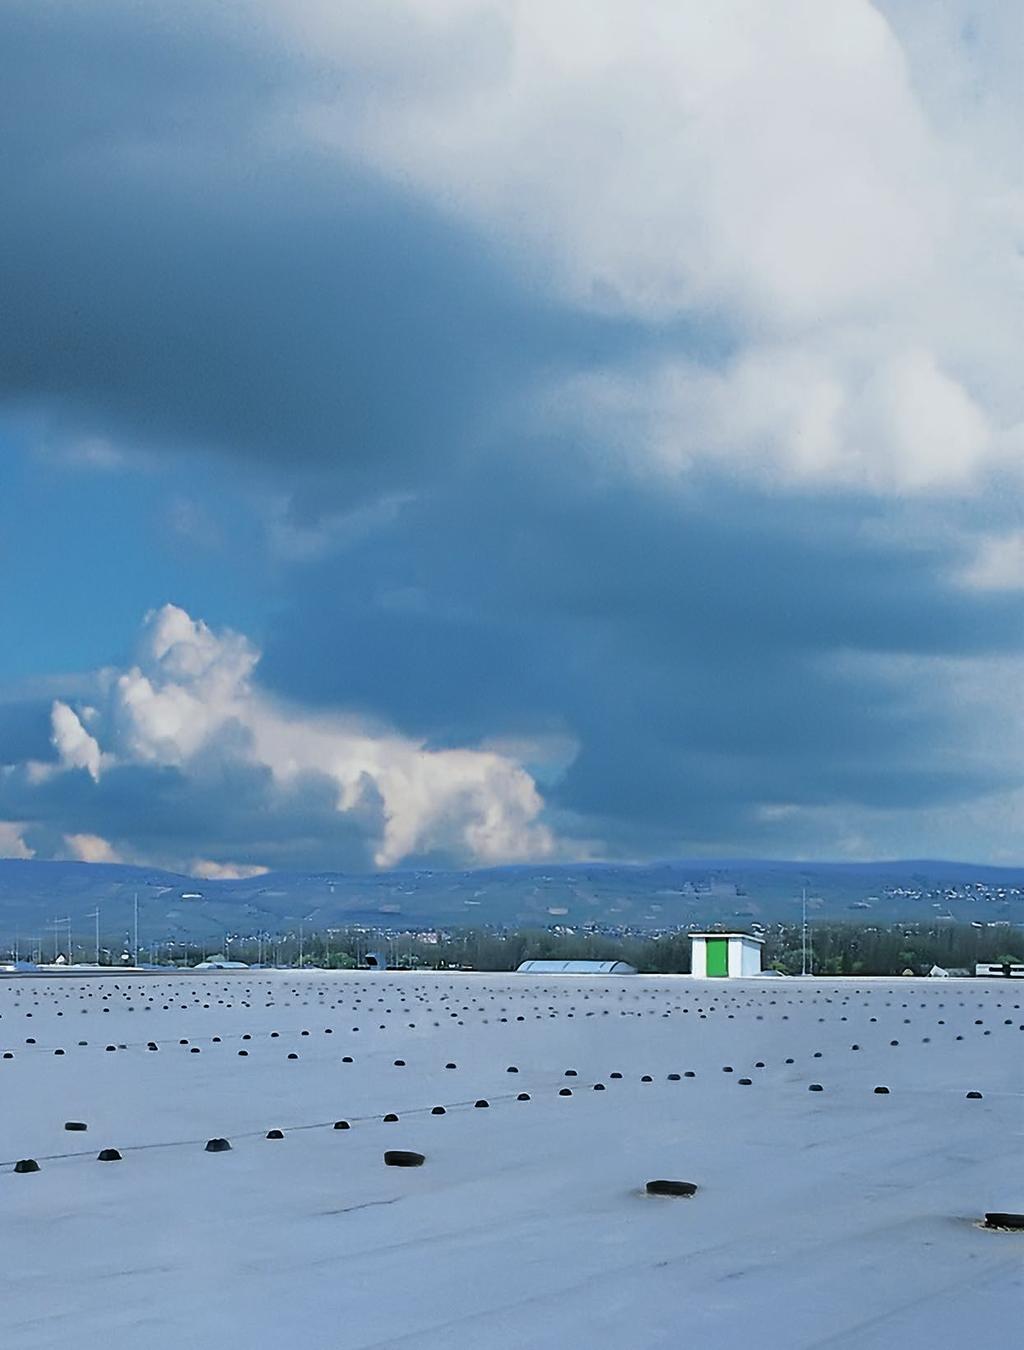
x: 853, y: 1216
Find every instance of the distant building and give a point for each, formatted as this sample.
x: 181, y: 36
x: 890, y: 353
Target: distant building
x: 576, y: 968
x: 1006, y: 970
x: 219, y: 963
x: 714, y: 955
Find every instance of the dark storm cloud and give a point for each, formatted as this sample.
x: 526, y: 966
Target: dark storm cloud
x: 232, y: 811
x: 694, y: 644
x: 175, y: 275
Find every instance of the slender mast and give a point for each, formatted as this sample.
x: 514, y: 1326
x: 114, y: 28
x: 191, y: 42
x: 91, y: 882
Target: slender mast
x: 803, y: 934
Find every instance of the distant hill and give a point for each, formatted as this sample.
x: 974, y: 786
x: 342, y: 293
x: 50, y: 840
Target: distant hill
x: 612, y: 895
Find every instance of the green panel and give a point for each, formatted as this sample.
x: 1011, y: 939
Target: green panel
x: 718, y: 956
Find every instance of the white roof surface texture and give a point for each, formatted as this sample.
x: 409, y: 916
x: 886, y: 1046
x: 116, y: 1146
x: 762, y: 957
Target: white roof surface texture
x: 840, y: 1219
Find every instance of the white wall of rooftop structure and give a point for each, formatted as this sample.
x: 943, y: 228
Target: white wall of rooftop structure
x: 698, y: 957
x: 745, y: 955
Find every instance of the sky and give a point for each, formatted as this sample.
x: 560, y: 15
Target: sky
x: 461, y: 432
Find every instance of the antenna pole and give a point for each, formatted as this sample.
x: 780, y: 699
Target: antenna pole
x: 803, y: 935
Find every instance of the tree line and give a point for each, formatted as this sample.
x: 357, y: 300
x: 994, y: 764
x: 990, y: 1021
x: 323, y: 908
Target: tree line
x: 834, y: 949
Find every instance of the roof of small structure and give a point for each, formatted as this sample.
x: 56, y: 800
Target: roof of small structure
x: 748, y: 936
x: 577, y: 968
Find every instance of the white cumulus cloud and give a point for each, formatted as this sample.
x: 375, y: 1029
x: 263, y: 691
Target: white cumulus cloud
x: 91, y: 848
x: 803, y: 416
x: 225, y: 871
x: 659, y: 156
x: 830, y: 186
x: 75, y: 747
x: 191, y: 695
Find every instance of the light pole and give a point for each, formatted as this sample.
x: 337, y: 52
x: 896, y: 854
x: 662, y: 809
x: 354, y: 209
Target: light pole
x: 96, y: 915
x: 136, y: 941
x: 56, y: 937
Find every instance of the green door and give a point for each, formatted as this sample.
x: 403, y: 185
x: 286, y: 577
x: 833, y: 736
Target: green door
x: 718, y: 956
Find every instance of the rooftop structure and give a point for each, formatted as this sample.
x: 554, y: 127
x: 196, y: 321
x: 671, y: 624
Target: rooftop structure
x: 714, y: 955
x: 538, y: 967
